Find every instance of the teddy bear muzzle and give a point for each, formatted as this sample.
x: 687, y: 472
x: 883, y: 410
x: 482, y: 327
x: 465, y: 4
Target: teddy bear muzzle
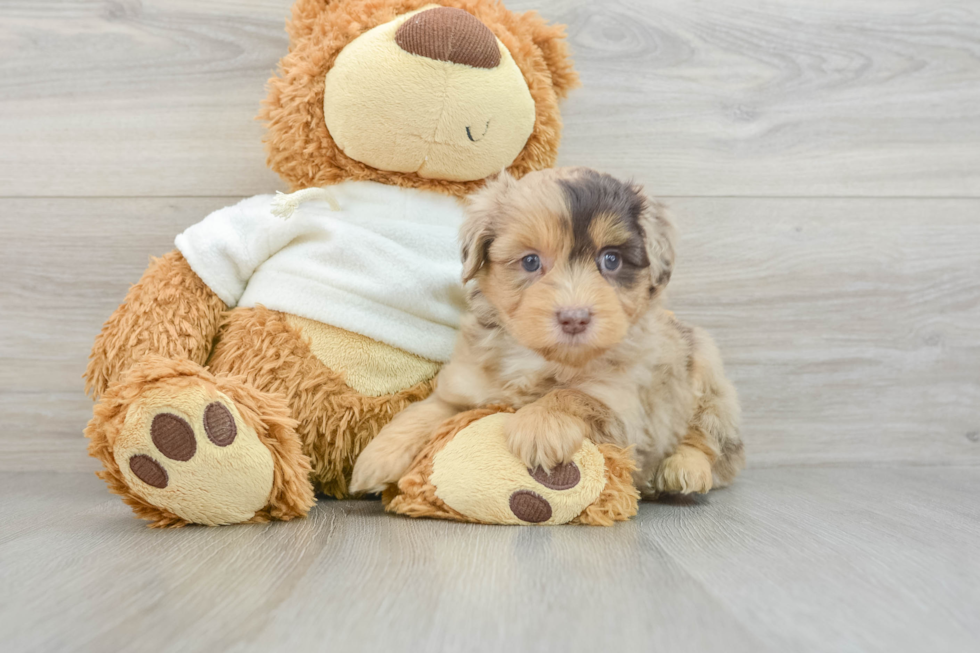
x: 432, y: 93
x: 449, y: 34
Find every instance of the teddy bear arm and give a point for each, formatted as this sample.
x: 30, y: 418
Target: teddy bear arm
x: 170, y: 312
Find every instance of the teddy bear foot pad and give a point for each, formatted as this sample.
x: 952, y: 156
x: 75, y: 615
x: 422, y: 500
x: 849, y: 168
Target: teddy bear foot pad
x: 191, y: 455
x: 467, y: 473
x: 176, y: 445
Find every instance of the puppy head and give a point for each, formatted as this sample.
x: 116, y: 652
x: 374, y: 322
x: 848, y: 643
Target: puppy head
x: 565, y: 259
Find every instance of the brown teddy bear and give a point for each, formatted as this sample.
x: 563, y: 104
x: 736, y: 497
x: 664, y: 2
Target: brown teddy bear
x: 249, y: 367
x: 466, y: 472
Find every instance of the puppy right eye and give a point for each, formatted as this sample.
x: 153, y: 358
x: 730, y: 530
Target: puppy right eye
x: 531, y: 262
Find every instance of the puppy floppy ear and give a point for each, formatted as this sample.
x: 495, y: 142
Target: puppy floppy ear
x: 658, y: 235
x: 477, y: 233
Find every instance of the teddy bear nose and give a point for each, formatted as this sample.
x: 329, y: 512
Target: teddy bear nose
x: 574, y: 320
x: 449, y: 34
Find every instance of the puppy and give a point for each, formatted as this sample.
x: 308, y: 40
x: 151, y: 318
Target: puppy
x: 566, y: 324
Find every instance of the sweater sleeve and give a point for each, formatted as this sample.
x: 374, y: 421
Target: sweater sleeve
x: 226, y: 247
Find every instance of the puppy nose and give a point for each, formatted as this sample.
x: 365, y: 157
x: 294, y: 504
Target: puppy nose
x: 574, y: 320
x: 449, y: 34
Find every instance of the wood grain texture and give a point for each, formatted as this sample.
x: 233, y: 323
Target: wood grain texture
x: 65, y: 265
x: 721, y: 97
x: 132, y: 98
x: 788, y: 98
x: 817, y: 559
x: 823, y: 159
x: 851, y: 327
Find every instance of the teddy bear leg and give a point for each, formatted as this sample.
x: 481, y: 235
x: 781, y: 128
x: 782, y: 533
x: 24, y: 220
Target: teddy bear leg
x: 181, y: 446
x: 341, y: 402
x: 466, y: 472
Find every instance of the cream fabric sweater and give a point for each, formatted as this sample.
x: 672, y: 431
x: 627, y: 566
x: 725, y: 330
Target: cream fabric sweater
x: 383, y: 262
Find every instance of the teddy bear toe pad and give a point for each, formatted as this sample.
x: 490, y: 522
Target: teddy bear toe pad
x: 191, y: 454
x: 564, y: 476
x: 477, y: 475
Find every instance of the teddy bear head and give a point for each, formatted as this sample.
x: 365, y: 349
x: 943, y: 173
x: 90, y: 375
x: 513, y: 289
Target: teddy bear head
x: 415, y: 94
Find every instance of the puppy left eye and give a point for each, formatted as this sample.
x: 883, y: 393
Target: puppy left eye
x: 531, y: 262
x: 610, y: 260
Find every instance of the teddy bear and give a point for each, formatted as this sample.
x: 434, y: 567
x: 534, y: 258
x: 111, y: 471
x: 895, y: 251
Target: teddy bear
x: 247, y: 369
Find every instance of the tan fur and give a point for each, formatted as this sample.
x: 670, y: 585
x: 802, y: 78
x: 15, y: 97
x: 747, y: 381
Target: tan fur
x: 618, y: 501
x: 365, y: 90
x: 531, y: 216
x: 608, y: 229
x: 662, y: 380
x: 686, y: 470
x: 301, y: 149
x: 336, y: 422
x: 170, y: 312
x: 171, y: 320
x: 552, y: 428
x: 415, y: 494
x: 266, y: 414
x: 370, y: 367
x: 308, y: 19
x: 216, y: 484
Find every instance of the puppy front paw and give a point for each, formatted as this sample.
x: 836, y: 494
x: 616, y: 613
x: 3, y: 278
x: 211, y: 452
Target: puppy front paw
x: 685, y: 471
x: 544, y: 438
x: 378, y: 467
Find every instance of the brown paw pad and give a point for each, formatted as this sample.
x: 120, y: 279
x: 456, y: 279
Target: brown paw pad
x: 219, y: 424
x: 173, y: 437
x: 530, y: 506
x: 563, y: 477
x: 149, y: 471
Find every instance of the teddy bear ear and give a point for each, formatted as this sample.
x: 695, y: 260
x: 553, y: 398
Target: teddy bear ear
x: 305, y: 15
x: 552, y: 41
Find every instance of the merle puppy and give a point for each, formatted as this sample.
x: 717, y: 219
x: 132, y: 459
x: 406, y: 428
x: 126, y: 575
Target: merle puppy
x: 566, y: 270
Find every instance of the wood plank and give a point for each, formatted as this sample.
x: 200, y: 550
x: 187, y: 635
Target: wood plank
x: 801, y: 559
x: 725, y: 97
x: 789, y: 98
x: 840, y: 559
x: 850, y: 326
x: 66, y: 265
x: 136, y: 98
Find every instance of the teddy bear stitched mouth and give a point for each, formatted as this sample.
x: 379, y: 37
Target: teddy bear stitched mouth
x: 469, y: 133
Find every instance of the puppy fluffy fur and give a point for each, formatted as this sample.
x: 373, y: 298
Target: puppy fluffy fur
x: 566, y: 270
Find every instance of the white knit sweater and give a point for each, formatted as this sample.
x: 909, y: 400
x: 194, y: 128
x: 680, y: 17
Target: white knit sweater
x: 384, y: 264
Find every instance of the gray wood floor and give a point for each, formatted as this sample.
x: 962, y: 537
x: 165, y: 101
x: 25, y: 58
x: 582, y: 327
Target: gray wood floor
x: 788, y: 559
x: 823, y: 159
